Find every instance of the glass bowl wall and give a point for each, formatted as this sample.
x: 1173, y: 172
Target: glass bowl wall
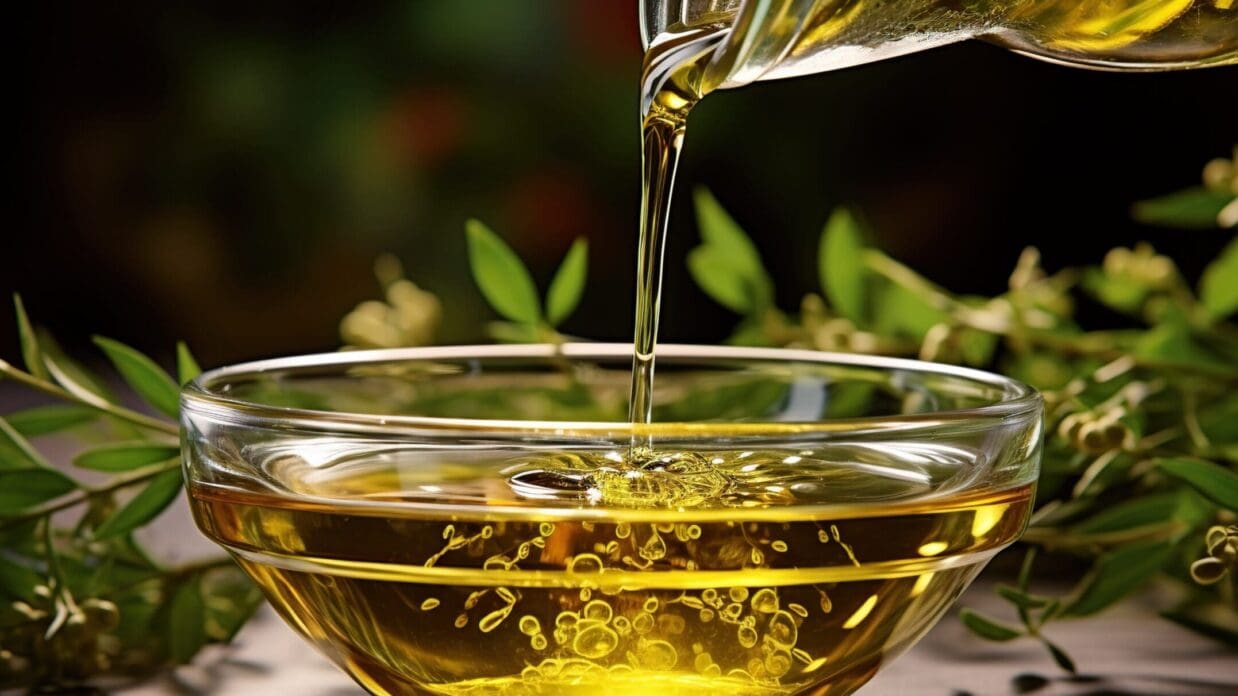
x: 465, y: 519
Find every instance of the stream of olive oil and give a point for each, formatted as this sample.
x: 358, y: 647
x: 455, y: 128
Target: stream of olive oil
x: 771, y: 572
x: 671, y: 84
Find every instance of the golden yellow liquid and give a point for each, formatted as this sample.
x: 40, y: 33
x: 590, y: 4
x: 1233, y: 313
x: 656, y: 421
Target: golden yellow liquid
x: 718, y: 572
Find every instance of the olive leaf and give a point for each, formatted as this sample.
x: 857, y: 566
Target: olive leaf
x: 24, y: 488
x: 15, y: 450
x: 1215, y: 482
x: 17, y: 582
x: 568, y: 284
x: 1218, y: 287
x: 144, y: 506
x: 1120, y: 292
x: 72, y: 375
x: 187, y: 368
x: 841, y: 267
x: 716, y: 275
x: 186, y: 621
x: 1022, y: 599
x: 1193, y: 208
x: 32, y: 355
x: 126, y: 456
x: 53, y: 418
x: 987, y: 628
x: 1059, y: 656
x: 1158, y: 508
x: 501, y: 275
x: 1117, y: 574
x: 1171, y: 343
x: 730, y: 270
x: 231, y: 599
x: 901, y: 312
x: 143, y: 375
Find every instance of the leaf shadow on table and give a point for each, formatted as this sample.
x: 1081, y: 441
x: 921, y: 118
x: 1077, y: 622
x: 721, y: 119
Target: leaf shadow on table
x: 1143, y: 670
x: 1118, y: 685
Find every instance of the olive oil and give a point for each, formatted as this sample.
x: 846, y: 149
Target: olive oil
x: 733, y: 572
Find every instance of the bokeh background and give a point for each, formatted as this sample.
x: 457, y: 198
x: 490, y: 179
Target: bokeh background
x: 225, y: 173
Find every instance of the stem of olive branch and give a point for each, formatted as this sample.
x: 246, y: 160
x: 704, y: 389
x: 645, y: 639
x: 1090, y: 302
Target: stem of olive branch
x: 80, y: 496
x: 120, y: 412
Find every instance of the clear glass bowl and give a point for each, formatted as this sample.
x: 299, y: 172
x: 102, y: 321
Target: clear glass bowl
x: 481, y: 520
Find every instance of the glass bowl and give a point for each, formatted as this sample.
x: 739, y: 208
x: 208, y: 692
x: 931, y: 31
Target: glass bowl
x: 481, y: 520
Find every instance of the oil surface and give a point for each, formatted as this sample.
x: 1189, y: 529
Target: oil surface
x: 772, y: 572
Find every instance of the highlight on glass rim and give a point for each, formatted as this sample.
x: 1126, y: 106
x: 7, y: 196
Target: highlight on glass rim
x: 914, y: 374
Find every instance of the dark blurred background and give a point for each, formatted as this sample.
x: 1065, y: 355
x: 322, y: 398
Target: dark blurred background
x: 226, y: 172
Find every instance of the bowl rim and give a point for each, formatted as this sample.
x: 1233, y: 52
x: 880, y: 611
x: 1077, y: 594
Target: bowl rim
x: 200, y: 396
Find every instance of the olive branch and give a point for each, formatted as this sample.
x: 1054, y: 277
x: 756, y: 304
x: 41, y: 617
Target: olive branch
x: 81, y: 597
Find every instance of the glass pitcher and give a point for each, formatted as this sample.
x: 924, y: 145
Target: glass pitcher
x: 766, y: 39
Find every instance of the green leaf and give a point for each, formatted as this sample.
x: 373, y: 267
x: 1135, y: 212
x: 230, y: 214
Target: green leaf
x: 1022, y: 599
x: 732, y: 251
x: 17, y: 582
x: 1216, y: 483
x: 724, y: 283
x: 1193, y: 208
x: 1059, y: 656
x: 144, y: 506
x: 1121, y: 292
x: 186, y: 622
x: 25, y: 488
x: 568, y: 284
x: 126, y: 456
x: 15, y: 451
x: 1219, y: 421
x: 1218, y: 287
x: 31, y: 354
x: 1117, y: 574
x: 71, y: 375
x: 501, y: 275
x: 1143, y: 511
x: 1171, y: 344
x: 44, y: 420
x: 989, y: 629
x: 140, y: 372
x: 902, y: 312
x: 187, y: 368
x: 841, y: 265
x: 977, y: 347
x: 1025, y: 569
x: 231, y: 599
